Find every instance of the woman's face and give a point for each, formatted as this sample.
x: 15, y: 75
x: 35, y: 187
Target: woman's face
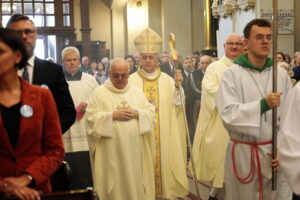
x: 279, y: 58
x: 130, y: 62
x: 8, y: 59
x: 100, y: 67
x: 94, y: 65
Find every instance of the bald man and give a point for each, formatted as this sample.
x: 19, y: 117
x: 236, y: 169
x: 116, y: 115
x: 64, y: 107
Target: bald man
x: 120, y: 132
x: 211, y: 138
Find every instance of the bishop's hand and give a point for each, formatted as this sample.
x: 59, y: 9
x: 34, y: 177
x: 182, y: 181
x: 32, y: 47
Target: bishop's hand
x: 178, y: 77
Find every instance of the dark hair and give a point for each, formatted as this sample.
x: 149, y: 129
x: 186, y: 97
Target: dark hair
x: 130, y: 56
x: 13, y: 39
x: 282, y: 54
x: 258, y: 22
x: 16, y: 18
x: 196, y: 53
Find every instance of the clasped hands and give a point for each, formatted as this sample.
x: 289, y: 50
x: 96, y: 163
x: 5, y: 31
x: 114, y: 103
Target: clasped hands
x: 125, y: 114
x: 18, y: 187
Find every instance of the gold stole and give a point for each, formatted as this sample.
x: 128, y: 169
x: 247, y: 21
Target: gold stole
x: 150, y: 88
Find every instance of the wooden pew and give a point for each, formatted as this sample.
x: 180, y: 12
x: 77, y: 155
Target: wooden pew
x: 67, y: 195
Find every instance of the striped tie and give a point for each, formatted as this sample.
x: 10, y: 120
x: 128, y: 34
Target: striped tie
x: 25, y: 74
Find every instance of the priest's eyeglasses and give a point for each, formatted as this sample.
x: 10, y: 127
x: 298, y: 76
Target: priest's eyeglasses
x: 231, y: 44
x: 121, y: 76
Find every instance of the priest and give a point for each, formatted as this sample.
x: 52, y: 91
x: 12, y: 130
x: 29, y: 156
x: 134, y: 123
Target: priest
x: 170, y: 136
x: 81, y: 85
x: 120, y: 124
x: 211, y: 138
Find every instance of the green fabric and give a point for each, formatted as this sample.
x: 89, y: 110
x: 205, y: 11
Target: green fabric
x: 263, y: 106
x: 243, y: 61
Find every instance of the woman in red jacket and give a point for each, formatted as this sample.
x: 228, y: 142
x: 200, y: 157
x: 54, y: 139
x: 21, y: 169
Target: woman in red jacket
x: 31, y: 147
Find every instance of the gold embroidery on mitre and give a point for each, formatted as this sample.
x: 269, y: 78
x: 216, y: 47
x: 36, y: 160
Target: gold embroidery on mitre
x: 148, y: 41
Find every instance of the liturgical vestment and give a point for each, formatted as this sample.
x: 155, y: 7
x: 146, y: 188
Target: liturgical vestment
x: 121, y: 151
x: 211, y: 138
x: 170, y: 168
x: 289, y: 139
x: 244, y: 111
x: 75, y: 137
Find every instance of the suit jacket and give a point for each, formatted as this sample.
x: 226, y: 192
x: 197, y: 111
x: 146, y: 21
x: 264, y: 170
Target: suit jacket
x: 198, y: 77
x: 51, y: 74
x: 39, y: 150
x: 166, y: 67
x: 297, y: 73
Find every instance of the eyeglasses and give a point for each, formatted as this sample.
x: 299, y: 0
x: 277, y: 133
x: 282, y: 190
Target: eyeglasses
x: 144, y: 57
x: 234, y: 44
x: 261, y: 37
x: 27, y: 31
x: 122, y: 76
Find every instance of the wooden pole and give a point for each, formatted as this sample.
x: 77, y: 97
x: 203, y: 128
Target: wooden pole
x: 274, y: 110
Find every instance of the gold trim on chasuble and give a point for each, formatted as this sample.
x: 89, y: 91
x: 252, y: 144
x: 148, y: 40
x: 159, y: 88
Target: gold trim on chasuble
x: 150, y: 88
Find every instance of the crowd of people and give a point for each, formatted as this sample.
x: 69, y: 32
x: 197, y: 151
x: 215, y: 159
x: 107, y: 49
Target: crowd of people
x: 120, y: 123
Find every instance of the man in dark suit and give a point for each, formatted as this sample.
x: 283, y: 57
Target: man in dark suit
x: 189, y: 92
x: 169, y: 67
x: 44, y: 73
x: 197, y: 77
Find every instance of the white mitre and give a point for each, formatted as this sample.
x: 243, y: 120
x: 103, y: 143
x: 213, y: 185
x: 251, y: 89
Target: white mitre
x: 148, y: 41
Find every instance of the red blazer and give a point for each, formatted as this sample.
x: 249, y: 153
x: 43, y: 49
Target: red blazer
x: 39, y: 150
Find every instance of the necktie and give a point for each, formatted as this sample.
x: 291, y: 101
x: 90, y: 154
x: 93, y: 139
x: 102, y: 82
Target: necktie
x: 25, y: 74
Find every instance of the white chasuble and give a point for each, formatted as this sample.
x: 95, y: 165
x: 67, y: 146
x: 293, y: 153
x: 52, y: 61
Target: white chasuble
x: 121, y: 152
x: 211, y: 138
x: 171, y: 174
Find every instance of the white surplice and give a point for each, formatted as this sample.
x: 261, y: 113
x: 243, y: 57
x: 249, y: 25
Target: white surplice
x: 239, y: 105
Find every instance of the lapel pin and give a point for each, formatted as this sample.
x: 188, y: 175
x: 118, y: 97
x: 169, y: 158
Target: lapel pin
x: 26, y: 111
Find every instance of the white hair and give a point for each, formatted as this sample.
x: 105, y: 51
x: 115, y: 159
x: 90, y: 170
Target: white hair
x: 69, y: 50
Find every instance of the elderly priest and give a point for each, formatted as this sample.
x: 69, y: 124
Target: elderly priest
x: 120, y: 125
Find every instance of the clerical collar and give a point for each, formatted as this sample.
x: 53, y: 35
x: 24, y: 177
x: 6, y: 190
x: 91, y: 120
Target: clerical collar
x: 149, y: 75
x: 73, y: 77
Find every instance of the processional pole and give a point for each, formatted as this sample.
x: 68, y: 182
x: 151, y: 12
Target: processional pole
x: 274, y: 110
x: 172, y: 44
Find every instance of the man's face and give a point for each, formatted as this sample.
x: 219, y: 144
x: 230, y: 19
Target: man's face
x: 204, y: 62
x: 149, y: 62
x: 233, y: 46
x: 165, y: 58
x: 137, y: 57
x: 28, y: 33
x: 71, y: 63
x: 119, y: 74
x: 188, y: 64
x: 85, y: 61
x: 259, y: 42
